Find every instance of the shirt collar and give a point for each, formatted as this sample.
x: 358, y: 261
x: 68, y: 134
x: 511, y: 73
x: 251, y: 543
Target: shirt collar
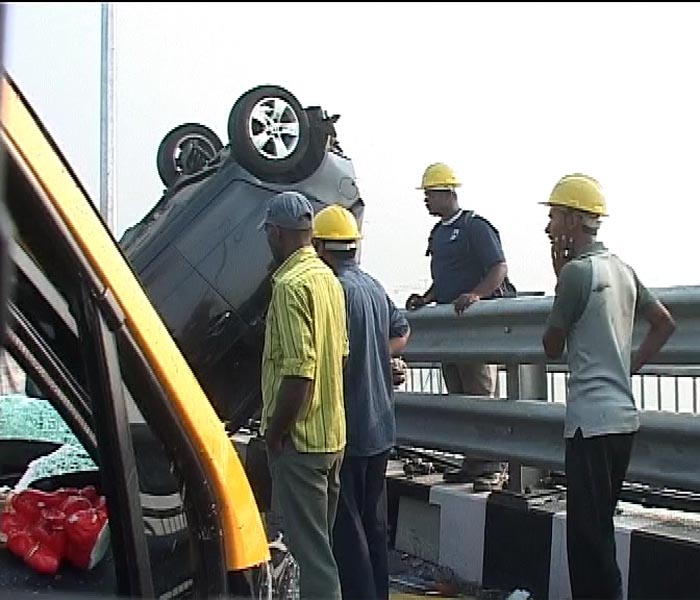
x: 453, y: 218
x: 347, y: 264
x: 304, y: 253
x: 594, y: 247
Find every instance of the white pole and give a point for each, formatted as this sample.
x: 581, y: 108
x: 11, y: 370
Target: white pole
x: 107, y: 180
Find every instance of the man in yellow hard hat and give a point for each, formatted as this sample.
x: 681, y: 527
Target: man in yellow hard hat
x: 377, y: 331
x: 467, y: 265
x: 596, y: 302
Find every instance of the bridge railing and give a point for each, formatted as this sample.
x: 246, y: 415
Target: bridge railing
x: 670, y: 388
x: 525, y: 426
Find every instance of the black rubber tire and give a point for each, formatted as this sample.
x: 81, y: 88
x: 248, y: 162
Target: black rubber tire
x: 170, y: 167
x: 284, y: 170
x: 318, y: 142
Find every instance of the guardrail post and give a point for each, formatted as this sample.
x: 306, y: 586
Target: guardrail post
x: 525, y: 382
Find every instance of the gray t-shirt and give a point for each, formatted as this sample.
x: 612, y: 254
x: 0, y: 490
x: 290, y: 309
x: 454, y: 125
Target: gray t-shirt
x: 574, y: 288
x: 597, y: 299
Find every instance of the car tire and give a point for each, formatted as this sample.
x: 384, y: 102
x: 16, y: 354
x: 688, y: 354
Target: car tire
x: 269, y: 134
x: 318, y: 141
x: 185, y: 150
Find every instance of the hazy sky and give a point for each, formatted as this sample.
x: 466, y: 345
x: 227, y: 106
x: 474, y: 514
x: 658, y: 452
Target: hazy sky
x: 513, y: 96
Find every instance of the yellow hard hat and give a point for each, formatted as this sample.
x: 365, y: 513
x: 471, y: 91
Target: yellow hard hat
x: 336, y: 223
x: 439, y: 176
x: 580, y: 192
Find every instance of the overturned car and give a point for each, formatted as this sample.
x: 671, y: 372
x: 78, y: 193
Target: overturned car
x: 199, y: 253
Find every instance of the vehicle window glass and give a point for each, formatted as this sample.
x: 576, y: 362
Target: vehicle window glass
x: 36, y: 423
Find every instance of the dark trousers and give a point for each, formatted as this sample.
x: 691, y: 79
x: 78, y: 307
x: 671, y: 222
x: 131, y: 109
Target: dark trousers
x: 360, y: 541
x: 595, y: 470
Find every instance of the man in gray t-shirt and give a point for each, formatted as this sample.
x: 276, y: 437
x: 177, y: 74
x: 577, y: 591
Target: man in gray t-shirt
x: 597, y: 300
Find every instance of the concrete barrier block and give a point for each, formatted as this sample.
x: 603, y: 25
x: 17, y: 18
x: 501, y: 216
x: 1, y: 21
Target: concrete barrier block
x: 418, y: 529
x: 462, y: 522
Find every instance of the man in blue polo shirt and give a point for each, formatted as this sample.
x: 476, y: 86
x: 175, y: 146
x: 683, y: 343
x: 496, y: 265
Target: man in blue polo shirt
x: 467, y: 264
x: 376, y: 331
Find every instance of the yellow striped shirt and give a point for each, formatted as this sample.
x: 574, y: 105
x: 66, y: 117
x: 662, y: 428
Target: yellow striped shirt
x: 306, y: 336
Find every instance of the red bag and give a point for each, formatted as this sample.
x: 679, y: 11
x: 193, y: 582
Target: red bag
x: 75, y: 503
x: 43, y: 528
x: 83, y: 530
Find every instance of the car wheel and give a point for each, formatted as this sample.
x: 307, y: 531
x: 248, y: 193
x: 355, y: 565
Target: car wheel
x: 269, y: 134
x: 185, y: 150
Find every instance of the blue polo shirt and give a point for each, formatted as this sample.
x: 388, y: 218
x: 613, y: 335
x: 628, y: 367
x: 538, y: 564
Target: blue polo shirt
x: 462, y: 251
x: 369, y: 391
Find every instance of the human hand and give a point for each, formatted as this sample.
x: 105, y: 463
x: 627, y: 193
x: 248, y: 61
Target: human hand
x: 415, y: 301
x: 398, y: 371
x: 464, y: 301
x: 273, y: 444
x: 562, y: 250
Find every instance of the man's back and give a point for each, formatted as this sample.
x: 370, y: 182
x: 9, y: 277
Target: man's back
x: 372, y: 321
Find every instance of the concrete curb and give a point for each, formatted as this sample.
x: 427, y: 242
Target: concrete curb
x: 503, y: 541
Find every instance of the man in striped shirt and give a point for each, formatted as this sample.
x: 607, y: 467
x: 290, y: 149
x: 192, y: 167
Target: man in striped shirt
x: 303, y: 418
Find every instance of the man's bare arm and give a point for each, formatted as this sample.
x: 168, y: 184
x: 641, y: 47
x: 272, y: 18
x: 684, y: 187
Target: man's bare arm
x: 661, y: 328
x: 492, y: 281
x: 415, y: 301
x: 397, y: 344
x: 554, y: 340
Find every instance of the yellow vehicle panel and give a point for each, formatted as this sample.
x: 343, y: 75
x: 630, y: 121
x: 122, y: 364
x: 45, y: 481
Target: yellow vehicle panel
x: 244, y: 536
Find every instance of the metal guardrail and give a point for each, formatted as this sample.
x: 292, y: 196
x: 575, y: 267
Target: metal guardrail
x: 509, y: 330
x: 657, y: 387
x: 666, y: 450
x: 524, y: 429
